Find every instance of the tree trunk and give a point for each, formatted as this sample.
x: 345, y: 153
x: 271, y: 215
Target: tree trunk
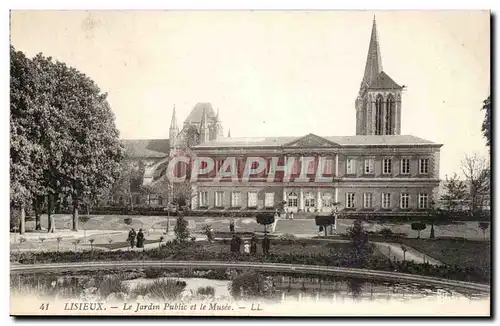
x: 75, y: 215
x: 22, y: 220
x: 324, y: 229
x: 38, y: 208
x: 50, y: 215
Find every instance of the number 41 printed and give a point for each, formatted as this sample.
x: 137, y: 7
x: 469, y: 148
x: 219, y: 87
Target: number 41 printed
x: 44, y: 306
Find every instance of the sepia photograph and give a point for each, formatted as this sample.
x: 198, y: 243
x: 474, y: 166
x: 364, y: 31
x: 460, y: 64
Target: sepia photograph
x: 250, y: 163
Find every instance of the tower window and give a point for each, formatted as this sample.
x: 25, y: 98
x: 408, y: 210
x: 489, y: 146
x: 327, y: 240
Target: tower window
x: 389, y: 128
x: 379, y: 102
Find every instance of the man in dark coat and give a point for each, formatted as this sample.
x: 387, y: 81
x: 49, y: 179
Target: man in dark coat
x: 131, y: 238
x: 265, y: 245
x: 234, y: 244
x: 231, y: 226
x: 140, y: 239
x: 253, y: 245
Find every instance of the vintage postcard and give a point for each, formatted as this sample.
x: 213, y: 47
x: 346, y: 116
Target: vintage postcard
x: 250, y: 163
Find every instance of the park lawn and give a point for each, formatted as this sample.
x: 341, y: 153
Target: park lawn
x: 461, y: 252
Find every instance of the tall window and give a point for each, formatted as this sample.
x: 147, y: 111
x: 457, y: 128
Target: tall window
x: 328, y: 162
x: 386, y: 200
x: 369, y: 166
x: 219, y: 198
x: 236, y: 199
x: 252, y: 199
x: 405, y: 166
x: 292, y: 200
x: 423, y: 201
x: 405, y: 200
x: 269, y: 199
x: 311, y: 168
x: 389, y: 112
x: 424, y: 165
x: 309, y: 199
x: 351, y: 165
x: 349, y: 201
x: 387, y: 166
x: 379, y: 102
x: 367, y: 200
x: 203, y: 198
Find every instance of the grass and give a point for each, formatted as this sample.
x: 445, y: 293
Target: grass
x: 162, y: 289
x: 462, y: 252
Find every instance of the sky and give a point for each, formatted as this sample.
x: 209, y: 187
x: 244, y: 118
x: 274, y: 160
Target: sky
x: 275, y: 73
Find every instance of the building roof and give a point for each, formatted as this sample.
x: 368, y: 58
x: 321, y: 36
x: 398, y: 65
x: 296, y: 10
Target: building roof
x: 359, y: 140
x: 197, y: 112
x: 146, y: 148
x: 383, y: 81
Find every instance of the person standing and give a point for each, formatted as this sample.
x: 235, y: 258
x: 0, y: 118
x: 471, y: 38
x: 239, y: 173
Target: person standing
x: 140, y: 239
x: 246, y: 248
x: 265, y: 245
x: 234, y: 244
x: 253, y: 245
x: 131, y: 238
x: 231, y: 226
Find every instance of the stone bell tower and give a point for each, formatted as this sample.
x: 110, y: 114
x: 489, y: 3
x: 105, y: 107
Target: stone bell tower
x: 378, y: 104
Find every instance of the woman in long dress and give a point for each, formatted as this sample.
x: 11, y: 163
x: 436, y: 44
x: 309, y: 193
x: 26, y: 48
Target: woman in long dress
x: 140, y: 239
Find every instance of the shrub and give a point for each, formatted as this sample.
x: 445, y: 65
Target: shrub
x: 153, y: 272
x: 288, y: 237
x: 386, y: 233
x: 181, y: 229
x: 160, y: 289
x: 207, y: 290
x: 110, y: 284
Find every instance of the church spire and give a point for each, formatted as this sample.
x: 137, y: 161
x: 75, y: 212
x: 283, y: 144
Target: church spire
x: 173, y: 122
x: 373, y: 60
x: 174, y: 130
x: 204, y: 131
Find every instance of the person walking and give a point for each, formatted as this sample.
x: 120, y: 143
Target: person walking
x: 131, y: 238
x: 266, y: 243
x: 140, y: 239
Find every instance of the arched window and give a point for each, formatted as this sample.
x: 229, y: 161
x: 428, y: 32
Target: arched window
x: 379, y: 102
x: 389, y: 116
x: 292, y: 199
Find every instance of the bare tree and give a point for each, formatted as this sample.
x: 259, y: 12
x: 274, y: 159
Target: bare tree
x: 476, y: 170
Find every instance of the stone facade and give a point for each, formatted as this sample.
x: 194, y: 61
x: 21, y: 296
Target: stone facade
x: 378, y: 170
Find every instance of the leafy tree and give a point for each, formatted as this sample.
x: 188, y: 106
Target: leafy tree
x: 455, y: 191
x: 265, y: 219
x: 63, y: 132
x: 418, y: 226
x: 486, y: 127
x: 323, y: 221
x: 477, y: 172
x: 359, y: 240
x: 27, y: 155
x: 181, y: 229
